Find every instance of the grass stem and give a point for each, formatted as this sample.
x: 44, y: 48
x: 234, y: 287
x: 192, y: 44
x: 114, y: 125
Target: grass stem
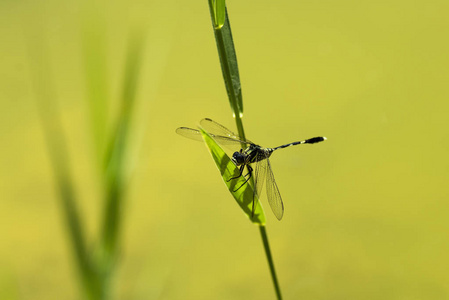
x: 229, y: 67
x: 115, y: 166
x: 266, y: 245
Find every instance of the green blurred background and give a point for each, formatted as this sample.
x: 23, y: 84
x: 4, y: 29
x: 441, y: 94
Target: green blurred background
x: 366, y: 212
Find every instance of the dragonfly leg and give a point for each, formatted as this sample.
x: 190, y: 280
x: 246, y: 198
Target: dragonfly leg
x: 250, y: 173
x: 247, y: 174
x: 240, y: 173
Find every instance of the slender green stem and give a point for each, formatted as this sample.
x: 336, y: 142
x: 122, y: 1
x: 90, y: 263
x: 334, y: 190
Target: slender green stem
x: 59, y: 161
x: 266, y: 246
x: 115, y: 156
x: 116, y: 167
x: 239, y: 123
x: 228, y: 79
x: 229, y: 67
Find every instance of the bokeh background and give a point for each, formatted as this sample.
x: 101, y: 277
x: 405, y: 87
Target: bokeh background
x: 366, y: 212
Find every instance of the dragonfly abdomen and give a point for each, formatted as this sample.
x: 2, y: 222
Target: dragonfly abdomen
x: 308, y: 141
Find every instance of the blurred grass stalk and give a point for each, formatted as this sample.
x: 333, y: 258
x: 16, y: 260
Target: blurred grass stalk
x: 229, y: 67
x: 114, y: 169
x: 95, y: 268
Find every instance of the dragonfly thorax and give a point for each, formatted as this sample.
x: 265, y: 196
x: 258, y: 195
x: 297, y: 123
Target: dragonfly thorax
x: 253, y: 153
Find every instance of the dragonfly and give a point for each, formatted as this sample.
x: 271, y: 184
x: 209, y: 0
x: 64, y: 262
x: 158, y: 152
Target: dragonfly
x: 252, y: 156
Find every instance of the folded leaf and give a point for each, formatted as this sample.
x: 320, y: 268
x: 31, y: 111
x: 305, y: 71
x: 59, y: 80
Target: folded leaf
x: 244, y: 195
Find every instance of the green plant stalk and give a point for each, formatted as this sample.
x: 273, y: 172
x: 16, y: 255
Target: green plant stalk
x: 229, y: 67
x: 58, y: 157
x: 115, y: 158
x: 232, y: 93
x: 228, y: 62
x: 266, y: 245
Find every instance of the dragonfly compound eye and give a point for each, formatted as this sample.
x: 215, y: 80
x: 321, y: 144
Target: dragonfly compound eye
x: 238, y: 158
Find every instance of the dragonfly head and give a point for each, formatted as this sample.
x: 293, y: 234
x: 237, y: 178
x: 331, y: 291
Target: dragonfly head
x: 238, y: 158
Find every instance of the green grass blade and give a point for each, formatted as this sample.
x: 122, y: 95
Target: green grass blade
x: 228, y: 62
x: 219, y: 7
x: 115, y: 155
x: 243, y: 196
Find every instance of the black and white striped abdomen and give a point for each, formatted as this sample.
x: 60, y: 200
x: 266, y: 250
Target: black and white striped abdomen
x: 308, y: 141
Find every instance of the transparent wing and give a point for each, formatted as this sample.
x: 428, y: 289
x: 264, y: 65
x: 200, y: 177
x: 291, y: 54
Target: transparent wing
x: 217, y: 129
x: 195, y: 134
x: 274, y: 197
x: 190, y: 133
x: 259, y: 178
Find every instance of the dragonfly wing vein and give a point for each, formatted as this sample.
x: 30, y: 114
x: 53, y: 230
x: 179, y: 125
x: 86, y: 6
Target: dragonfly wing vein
x: 273, y: 194
x: 219, y: 130
x: 259, y: 179
x: 190, y: 133
x: 195, y: 134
